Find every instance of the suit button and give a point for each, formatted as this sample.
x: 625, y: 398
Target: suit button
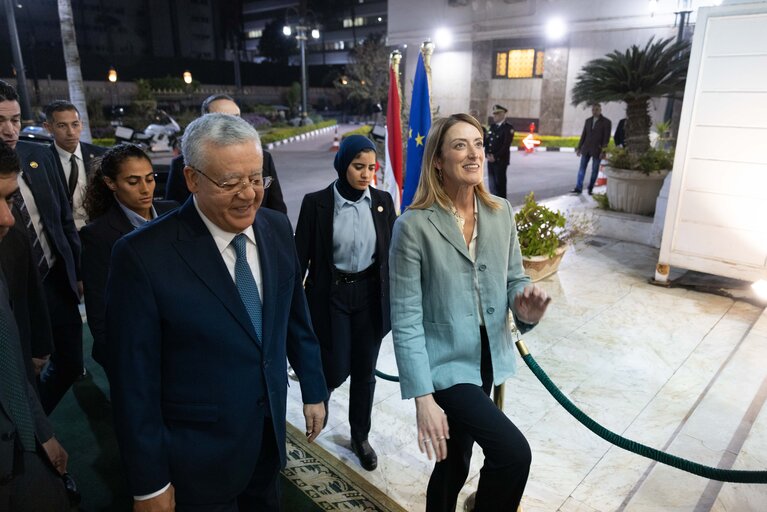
x: 482, y: 267
x: 490, y: 311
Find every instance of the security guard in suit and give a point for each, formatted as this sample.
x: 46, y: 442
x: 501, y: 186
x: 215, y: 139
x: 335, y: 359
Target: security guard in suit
x: 498, y: 150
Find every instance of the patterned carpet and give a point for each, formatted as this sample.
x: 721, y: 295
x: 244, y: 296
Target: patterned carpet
x: 328, y: 482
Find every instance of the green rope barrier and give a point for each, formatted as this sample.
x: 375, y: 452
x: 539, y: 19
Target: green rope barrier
x: 386, y: 376
x: 723, y: 475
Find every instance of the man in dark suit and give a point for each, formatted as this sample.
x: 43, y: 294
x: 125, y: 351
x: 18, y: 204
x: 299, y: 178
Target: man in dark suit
x: 44, y: 207
x: 592, y: 145
x: 30, y: 457
x: 498, y: 150
x: 176, y: 187
x: 203, y: 306
x: 73, y: 158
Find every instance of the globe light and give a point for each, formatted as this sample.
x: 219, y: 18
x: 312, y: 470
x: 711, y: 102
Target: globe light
x: 112, y: 75
x: 187, y: 77
x: 315, y: 33
x: 443, y: 38
x: 556, y: 28
x: 286, y: 30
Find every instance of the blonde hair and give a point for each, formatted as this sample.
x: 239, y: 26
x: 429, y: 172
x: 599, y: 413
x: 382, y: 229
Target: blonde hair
x: 430, y: 187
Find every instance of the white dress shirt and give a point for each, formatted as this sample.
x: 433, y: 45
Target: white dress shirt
x: 78, y: 212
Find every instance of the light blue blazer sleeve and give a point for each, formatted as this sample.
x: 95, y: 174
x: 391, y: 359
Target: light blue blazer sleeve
x: 434, y: 307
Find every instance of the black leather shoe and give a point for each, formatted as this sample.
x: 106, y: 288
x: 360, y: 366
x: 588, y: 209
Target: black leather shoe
x: 591, y: 191
x: 366, y: 454
x: 575, y: 191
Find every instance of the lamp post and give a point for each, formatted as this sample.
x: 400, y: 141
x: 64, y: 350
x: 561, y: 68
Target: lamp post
x: 112, y: 77
x: 18, y: 62
x: 301, y: 29
x: 187, y: 76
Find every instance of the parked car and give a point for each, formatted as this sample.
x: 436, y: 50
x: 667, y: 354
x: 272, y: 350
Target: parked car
x: 34, y: 133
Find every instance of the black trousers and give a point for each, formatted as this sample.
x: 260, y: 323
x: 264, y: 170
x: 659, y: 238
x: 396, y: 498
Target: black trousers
x: 355, y: 320
x: 263, y: 491
x: 66, y: 363
x: 36, y: 487
x: 497, y: 178
x: 472, y: 416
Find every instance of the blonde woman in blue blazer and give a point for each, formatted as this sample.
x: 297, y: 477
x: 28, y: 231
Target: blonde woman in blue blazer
x: 456, y: 272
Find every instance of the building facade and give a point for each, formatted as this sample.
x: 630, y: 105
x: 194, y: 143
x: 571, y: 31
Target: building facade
x: 500, y: 52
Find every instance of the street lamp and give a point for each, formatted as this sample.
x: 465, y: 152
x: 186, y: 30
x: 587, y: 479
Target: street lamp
x: 187, y: 77
x: 112, y: 77
x: 301, y: 28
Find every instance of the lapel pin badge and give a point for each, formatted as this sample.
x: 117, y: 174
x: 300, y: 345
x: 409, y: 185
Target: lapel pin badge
x: 33, y: 164
x: 380, y: 208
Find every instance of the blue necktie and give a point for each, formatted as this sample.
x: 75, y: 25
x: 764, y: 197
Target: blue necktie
x: 246, y: 284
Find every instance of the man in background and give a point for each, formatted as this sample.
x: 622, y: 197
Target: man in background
x: 498, y: 150
x: 176, y: 189
x: 592, y: 145
x: 73, y: 158
x: 31, y: 459
x: 43, y: 205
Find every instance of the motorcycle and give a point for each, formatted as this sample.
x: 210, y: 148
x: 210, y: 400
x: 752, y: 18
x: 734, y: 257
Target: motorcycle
x: 160, y: 136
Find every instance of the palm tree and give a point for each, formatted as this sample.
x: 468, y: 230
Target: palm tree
x: 72, y: 61
x: 634, y: 77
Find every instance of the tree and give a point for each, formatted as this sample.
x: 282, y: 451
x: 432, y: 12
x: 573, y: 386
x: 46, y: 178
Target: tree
x: 72, y: 62
x: 634, y: 77
x: 275, y: 45
x: 367, y: 74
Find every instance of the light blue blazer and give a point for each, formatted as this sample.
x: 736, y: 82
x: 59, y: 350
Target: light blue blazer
x: 434, y: 310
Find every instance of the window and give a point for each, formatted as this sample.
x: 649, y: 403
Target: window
x: 255, y: 34
x: 354, y: 22
x: 519, y: 63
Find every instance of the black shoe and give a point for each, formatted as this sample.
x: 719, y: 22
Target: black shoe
x: 575, y: 191
x: 591, y: 191
x: 366, y: 454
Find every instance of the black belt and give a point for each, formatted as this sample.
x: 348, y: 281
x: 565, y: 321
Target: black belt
x: 340, y: 277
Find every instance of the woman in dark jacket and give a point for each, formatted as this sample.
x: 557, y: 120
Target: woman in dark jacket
x: 119, y: 199
x: 342, y: 238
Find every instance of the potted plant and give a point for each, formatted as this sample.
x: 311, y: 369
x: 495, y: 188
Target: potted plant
x: 542, y: 238
x: 635, y: 174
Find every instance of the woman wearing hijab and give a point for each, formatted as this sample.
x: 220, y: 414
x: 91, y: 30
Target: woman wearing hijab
x: 342, y: 238
x: 119, y: 199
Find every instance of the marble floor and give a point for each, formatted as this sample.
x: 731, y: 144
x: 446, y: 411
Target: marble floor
x: 675, y: 369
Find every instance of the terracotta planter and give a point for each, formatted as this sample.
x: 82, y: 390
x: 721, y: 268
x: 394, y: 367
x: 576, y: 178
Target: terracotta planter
x: 541, y: 267
x: 633, y: 191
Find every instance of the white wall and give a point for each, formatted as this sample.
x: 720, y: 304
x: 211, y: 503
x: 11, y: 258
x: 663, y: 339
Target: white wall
x: 596, y: 28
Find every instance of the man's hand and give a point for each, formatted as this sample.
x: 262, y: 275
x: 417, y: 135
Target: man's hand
x: 165, y: 502
x: 577, y: 152
x: 491, y: 158
x: 80, y: 290
x: 39, y: 363
x: 314, y: 414
x: 56, y: 454
x: 531, y: 304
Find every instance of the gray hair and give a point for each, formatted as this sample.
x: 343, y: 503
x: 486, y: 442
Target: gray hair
x: 205, y: 107
x: 218, y: 130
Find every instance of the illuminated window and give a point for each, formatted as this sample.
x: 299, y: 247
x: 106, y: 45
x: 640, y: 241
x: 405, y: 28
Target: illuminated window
x: 519, y: 63
x: 255, y: 34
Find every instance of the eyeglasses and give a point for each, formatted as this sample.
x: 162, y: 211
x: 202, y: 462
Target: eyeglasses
x: 235, y: 186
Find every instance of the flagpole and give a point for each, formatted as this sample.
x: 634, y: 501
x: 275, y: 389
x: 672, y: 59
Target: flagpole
x: 427, y: 49
x: 394, y: 59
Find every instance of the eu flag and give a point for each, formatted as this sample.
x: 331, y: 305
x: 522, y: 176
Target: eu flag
x: 420, y: 122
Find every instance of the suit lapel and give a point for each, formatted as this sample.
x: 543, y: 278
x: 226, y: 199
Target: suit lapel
x: 445, y: 223
x: 196, y: 247
x: 379, y: 222
x: 325, y: 208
